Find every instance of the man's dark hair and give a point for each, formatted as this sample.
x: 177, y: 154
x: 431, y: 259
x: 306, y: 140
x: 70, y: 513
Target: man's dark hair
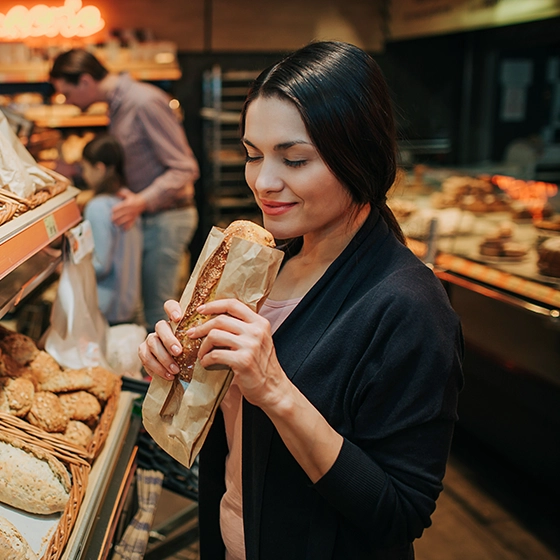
x: 70, y: 65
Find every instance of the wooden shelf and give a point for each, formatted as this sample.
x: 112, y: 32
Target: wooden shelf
x: 72, y: 122
x: 38, y: 72
x: 26, y: 235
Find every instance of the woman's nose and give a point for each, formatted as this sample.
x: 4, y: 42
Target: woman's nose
x: 267, y: 177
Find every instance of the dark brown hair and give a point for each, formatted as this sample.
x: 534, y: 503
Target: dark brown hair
x: 344, y: 101
x: 71, y: 64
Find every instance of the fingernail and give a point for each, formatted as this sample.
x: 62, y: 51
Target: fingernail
x: 174, y: 368
x: 201, y: 308
x: 176, y: 317
x: 190, y: 332
x: 176, y: 349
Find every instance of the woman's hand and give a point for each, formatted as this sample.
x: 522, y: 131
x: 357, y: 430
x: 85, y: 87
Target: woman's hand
x: 158, y: 350
x: 239, y: 338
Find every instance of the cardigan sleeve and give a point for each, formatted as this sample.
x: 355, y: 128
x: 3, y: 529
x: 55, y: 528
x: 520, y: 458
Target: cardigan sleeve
x: 401, y: 398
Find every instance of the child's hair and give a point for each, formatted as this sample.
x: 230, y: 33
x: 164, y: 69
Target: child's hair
x: 107, y: 150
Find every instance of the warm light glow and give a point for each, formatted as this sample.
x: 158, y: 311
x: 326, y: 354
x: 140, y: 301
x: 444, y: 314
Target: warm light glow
x: 534, y: 194
x: 70, y: 20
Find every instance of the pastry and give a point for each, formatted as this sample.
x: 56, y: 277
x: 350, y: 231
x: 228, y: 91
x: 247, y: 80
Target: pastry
x: 549, y: 257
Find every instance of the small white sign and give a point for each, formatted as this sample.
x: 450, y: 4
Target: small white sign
x: 81, y: 241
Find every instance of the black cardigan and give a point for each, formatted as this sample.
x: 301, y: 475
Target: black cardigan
x: 377, y: 349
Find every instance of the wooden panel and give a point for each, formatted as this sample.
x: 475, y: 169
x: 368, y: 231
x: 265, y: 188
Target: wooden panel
x: 419, y: 18
x: 170, y: 20
x: 272, y: 26
x: 241, y: 25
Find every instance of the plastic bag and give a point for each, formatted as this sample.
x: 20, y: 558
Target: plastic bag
x: 77, y: 336
x: 122, y: 349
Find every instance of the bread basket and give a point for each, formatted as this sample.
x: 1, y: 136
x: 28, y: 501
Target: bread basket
x: 76, y: 461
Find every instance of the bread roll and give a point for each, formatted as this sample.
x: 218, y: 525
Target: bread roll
x: 16, y: 395
x: 12, y: 544
x: 80, y: 405
x: 206, y: 286
x: 47, y: 413
x: 20, y: 347
x: 104, y: 383
x: 62, y: 381
x: 32, y: 479
x: 78, y: 433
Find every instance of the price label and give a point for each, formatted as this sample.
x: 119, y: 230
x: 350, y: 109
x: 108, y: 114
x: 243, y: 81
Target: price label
x: 50, y: 226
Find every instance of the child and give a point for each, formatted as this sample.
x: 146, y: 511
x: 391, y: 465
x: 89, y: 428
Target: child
x: 117, y: 254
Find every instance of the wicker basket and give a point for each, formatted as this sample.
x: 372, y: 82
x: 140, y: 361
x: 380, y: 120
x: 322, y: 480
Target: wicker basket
x: 21, y: 205
x: 103, y: 426
x: 76, y: 462
x: 8, y: 209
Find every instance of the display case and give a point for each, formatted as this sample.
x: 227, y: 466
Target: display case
x: 510, y: 315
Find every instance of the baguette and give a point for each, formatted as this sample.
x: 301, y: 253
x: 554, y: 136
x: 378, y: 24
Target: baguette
x: 31, y: 479
x: 205, y: 289
x: 13, y: 545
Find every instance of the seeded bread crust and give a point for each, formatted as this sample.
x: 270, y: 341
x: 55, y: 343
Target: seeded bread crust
x: 16, y: 395
x: 80, y: 405
x: 205, y: 289
x: 47, y: 412
x: 31, y: 479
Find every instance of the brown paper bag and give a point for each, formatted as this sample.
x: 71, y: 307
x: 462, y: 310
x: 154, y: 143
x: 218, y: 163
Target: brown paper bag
x: 178, y: 414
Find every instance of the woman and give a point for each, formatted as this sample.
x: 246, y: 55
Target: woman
x: 117, y: 256
x: 333, y: 438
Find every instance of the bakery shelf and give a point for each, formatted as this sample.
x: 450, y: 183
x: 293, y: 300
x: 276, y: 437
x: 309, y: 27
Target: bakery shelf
x: 38, y: 72
x: 26, y: 277
x: 108, y: 484
x: 27, y: 234
x: 78, y: 121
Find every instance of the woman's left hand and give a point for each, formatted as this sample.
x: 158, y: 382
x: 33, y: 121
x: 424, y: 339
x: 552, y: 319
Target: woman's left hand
x: 241, y: 339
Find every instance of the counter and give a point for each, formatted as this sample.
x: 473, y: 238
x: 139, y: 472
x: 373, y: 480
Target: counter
x: 510, y: 316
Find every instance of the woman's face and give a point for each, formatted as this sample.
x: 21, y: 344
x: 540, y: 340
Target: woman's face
x: 296, y: 191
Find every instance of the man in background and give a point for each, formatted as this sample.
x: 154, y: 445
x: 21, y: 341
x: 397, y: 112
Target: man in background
x: 160, y: 167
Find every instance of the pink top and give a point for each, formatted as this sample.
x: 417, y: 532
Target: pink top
x: 231, y: 506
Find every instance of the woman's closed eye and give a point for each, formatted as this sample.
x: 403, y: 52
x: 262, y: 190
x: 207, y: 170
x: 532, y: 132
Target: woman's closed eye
x: 295, y: 163
x: 250, y: 159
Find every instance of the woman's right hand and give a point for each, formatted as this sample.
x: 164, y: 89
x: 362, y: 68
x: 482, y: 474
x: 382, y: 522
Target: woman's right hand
x: 158, y: 350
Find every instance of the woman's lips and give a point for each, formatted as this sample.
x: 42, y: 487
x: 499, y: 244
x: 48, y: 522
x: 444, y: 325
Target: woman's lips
x: 276, y: 208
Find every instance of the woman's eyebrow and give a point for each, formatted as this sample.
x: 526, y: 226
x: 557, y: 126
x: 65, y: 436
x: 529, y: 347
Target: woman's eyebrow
x: 279, y: 147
